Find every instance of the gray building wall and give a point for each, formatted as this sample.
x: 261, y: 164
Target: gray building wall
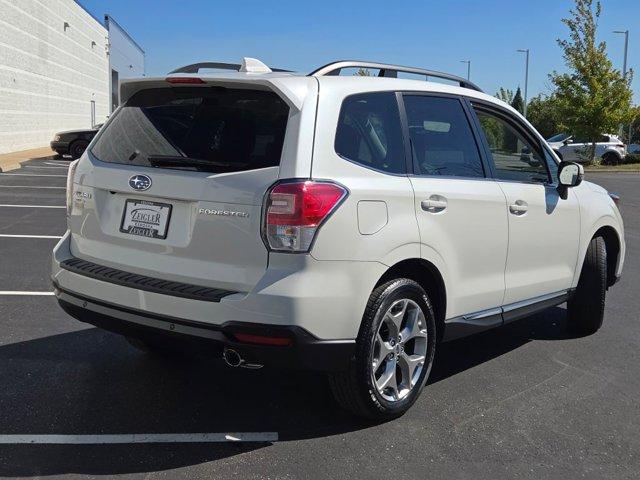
x: 126, y: 58
x: 53, y: 65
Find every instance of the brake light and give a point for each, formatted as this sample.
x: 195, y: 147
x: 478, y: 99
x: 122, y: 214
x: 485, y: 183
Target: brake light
x: 295, y: 211
x: 70, y: 177
x: 189, y: 80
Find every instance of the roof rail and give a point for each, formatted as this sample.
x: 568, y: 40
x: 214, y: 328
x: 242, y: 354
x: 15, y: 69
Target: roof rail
x: 247, y: 65
x: 387, y: 70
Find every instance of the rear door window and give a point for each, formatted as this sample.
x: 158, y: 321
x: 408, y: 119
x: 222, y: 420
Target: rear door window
x: 210, y: 129
x: 442, y: 142
x: 369, y: 132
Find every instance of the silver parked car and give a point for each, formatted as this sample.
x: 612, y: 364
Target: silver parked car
x: 574, y: 149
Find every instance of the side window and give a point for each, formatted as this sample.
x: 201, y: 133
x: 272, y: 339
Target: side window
x: 442, y: 142
x: 553, y: 166
x: 369, y: 132
x: 514, y: 157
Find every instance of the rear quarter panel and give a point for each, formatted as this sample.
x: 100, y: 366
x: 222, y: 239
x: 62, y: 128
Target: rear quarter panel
x: 345, y: 236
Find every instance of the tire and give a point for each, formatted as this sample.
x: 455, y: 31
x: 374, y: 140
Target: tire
x: 585, y: 310
x: 77, y: 148
x: 610, y: 159
x: 355, y: 388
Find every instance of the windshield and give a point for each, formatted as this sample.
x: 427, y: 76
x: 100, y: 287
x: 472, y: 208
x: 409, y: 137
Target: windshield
x: 210, y: 129
x: 558, y: 137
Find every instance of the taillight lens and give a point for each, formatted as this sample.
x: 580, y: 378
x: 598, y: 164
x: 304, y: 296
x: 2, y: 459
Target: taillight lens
x: 70, y: 174
x: 295, y: 211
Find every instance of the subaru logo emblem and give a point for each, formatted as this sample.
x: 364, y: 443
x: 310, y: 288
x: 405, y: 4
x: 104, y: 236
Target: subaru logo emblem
x: 140, y: 182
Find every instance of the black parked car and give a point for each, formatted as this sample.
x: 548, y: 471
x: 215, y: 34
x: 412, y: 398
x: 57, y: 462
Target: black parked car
x: 73, y: 142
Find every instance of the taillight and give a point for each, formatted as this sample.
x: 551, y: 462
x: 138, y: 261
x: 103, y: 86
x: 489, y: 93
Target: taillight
x: 70, y: 174
x: 188, y: 80
x: 295, y: 211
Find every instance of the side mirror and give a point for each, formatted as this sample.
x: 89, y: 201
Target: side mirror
x: 570, y: 174
x: 567, y: 141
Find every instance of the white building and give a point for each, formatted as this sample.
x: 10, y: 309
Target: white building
x: 126, y: 58
x: 55, y: 71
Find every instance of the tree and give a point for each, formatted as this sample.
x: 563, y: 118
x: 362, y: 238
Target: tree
x: 542, y: 112
x: 517, y: 101
x: 592, y: 98
x: 505, y: 95
x: 635, y: 127
x: 362, y: 72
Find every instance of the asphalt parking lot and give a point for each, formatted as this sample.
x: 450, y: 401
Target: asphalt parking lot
x: 526, y: 401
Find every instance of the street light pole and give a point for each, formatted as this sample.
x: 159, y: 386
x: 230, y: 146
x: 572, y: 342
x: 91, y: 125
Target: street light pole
x: 468, y: 62
x: 624, y: 68
x: 526, y: 79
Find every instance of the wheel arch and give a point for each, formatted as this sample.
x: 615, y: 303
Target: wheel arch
x: 613, y: 246
x: 429, y: 277
x: 611, y: 151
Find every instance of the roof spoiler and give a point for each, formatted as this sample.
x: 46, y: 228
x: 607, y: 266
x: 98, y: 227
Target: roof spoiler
x: 248, y: 65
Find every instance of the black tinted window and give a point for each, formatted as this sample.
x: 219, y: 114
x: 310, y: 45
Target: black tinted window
x: 441, y: 139
x: 211, y: 129
x: 552, y: 165
x: 514, y: 156
x: 369, y: 132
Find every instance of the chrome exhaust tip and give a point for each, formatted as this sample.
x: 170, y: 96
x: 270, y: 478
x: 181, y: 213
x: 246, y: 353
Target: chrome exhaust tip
x: 234, y: 360
x: 231, y: 357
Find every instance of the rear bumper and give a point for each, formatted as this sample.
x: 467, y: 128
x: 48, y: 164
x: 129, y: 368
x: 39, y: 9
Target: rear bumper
x: 319, y: 304
x: 306, y: 352
x: 61, y: 147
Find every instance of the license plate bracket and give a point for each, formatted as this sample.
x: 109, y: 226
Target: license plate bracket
x: 146, y: 218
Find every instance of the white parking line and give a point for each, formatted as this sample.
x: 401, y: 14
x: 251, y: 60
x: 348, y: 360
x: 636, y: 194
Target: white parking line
x: 30, y: 175
x: 4, y: 235
x: 47, y: 168
x: 61, y: 164
x: 31, y: 186
x: 33, y: 206
x: 17, y: 292
x: 140, y: 438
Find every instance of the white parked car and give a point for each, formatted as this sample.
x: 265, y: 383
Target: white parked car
x: 609, y: 148
x: 345, y: 224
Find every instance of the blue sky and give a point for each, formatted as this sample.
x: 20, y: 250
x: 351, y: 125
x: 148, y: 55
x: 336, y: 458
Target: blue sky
x: 302, y: 35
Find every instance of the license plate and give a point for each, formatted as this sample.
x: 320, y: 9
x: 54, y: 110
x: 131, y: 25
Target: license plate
x: 147, y: 219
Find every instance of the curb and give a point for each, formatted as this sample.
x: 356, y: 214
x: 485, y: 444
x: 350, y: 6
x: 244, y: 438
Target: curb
x: 9, y: 167
x: 13, y: 160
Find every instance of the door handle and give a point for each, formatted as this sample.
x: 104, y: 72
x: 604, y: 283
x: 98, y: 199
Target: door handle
x: 520, y: 207
x: 434, y: 204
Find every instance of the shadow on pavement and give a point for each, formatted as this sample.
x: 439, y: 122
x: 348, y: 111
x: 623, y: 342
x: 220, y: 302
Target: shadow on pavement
x: 93, y: 382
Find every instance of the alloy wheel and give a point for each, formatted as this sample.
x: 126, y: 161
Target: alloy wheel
x: 400, y: 350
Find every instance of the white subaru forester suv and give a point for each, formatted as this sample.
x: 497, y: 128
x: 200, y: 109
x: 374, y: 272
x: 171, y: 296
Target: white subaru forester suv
x: 345, y: 224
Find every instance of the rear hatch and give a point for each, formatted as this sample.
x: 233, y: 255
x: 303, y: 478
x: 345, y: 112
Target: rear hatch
x: 172, y: 188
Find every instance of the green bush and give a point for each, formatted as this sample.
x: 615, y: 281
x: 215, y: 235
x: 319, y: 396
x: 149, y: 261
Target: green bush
x: 632, y: 158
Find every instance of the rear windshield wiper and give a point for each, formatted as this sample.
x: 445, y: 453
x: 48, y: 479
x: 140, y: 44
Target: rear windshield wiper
x: 178, y: 161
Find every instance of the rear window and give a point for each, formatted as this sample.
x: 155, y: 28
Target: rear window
x: 211, y: 129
